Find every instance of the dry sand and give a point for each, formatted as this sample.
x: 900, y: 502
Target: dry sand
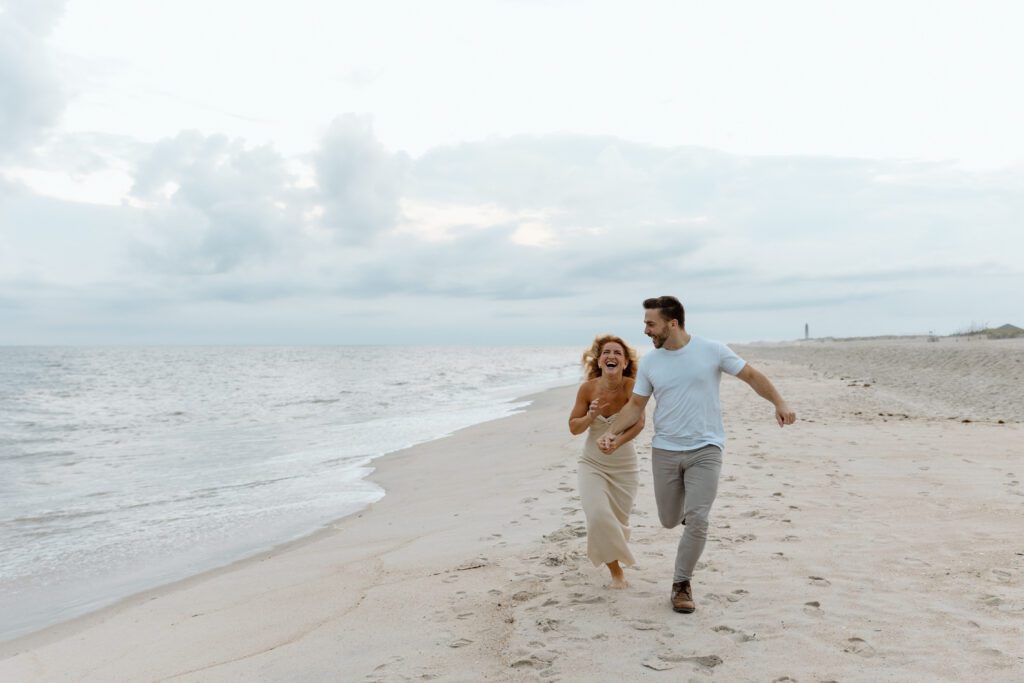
x: 877, y: 539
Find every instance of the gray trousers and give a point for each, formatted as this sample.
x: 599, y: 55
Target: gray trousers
x: 685, y: 486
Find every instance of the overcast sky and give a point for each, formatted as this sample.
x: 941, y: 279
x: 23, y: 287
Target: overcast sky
x: 515, y: 171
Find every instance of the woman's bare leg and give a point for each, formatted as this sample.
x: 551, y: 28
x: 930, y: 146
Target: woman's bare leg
x: 618, y: 577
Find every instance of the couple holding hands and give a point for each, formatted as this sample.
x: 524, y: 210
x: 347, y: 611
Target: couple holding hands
x: 682, y: 373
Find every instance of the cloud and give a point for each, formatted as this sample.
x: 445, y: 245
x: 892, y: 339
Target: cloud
x: 31, y: 99
x: 360, y: 183
x: 37, y: 16
x: 214, y: 204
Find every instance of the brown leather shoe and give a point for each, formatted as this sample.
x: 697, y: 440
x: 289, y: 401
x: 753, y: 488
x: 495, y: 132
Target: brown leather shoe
x: 682, y: 597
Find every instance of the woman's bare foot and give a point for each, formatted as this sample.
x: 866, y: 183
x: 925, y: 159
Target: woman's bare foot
x: 618, y: 577
x: 618, y: 583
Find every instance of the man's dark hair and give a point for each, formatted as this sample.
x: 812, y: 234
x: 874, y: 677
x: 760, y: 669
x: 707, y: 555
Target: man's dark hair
x: 669, y: 307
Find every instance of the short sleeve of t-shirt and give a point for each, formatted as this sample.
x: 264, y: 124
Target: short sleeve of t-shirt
x: 728, y: 361
x: 643, y: 386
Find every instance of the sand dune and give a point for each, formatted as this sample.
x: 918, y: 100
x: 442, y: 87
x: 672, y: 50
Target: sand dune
x: 877, y: 539
x: 955, y: 377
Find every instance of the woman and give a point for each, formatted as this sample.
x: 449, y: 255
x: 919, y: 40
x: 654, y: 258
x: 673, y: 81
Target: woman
x: 607, y: 479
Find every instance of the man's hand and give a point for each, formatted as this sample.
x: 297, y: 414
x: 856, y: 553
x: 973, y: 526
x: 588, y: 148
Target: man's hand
x: 607, y: 443
x: 784, y: 415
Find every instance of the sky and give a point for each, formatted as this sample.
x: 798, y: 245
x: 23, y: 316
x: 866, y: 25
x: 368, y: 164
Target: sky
x: 506, y: 171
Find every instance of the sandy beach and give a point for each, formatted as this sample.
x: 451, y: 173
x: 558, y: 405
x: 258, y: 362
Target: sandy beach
x: 878, y: 539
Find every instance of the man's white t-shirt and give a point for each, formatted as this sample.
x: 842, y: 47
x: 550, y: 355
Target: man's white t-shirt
x: 688, y: 413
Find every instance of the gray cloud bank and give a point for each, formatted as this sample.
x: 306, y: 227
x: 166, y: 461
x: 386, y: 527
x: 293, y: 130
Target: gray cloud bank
x: 538, y: 238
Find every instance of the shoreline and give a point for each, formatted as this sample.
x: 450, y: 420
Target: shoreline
x: 70, y: 625
x: 351, y: 540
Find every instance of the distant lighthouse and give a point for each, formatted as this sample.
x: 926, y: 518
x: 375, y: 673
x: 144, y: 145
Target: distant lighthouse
x: 807, y: 331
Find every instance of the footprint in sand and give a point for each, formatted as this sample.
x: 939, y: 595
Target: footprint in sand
x: 546, y: 625
x: 1002, y: 575
x: 523, y: 596
x: 645, y: 625
x: 565, y: 559
x: 534, y: 660
x: 819, y: 581
x: 735, y: 596
x: 461, y: 642
x: 738, y: 635
x: 859, y: 646
x: 583, y: 599
x: 812, y: 607
x: 916, y: 561
x: 567, y: 532
x: 662, y: 661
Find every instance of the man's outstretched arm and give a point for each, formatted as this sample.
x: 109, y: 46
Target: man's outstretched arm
x: 784, y: 415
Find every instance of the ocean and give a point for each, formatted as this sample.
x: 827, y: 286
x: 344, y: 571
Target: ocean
x: 125, y: 468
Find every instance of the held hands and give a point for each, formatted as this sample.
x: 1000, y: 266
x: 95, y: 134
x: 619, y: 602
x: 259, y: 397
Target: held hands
x: 784, y: 415
x: 608, y: 443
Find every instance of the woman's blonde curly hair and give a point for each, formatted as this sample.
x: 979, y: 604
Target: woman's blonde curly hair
x: 591, y: 355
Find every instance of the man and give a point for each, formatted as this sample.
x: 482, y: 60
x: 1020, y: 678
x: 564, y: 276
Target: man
x: 683, y: 373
